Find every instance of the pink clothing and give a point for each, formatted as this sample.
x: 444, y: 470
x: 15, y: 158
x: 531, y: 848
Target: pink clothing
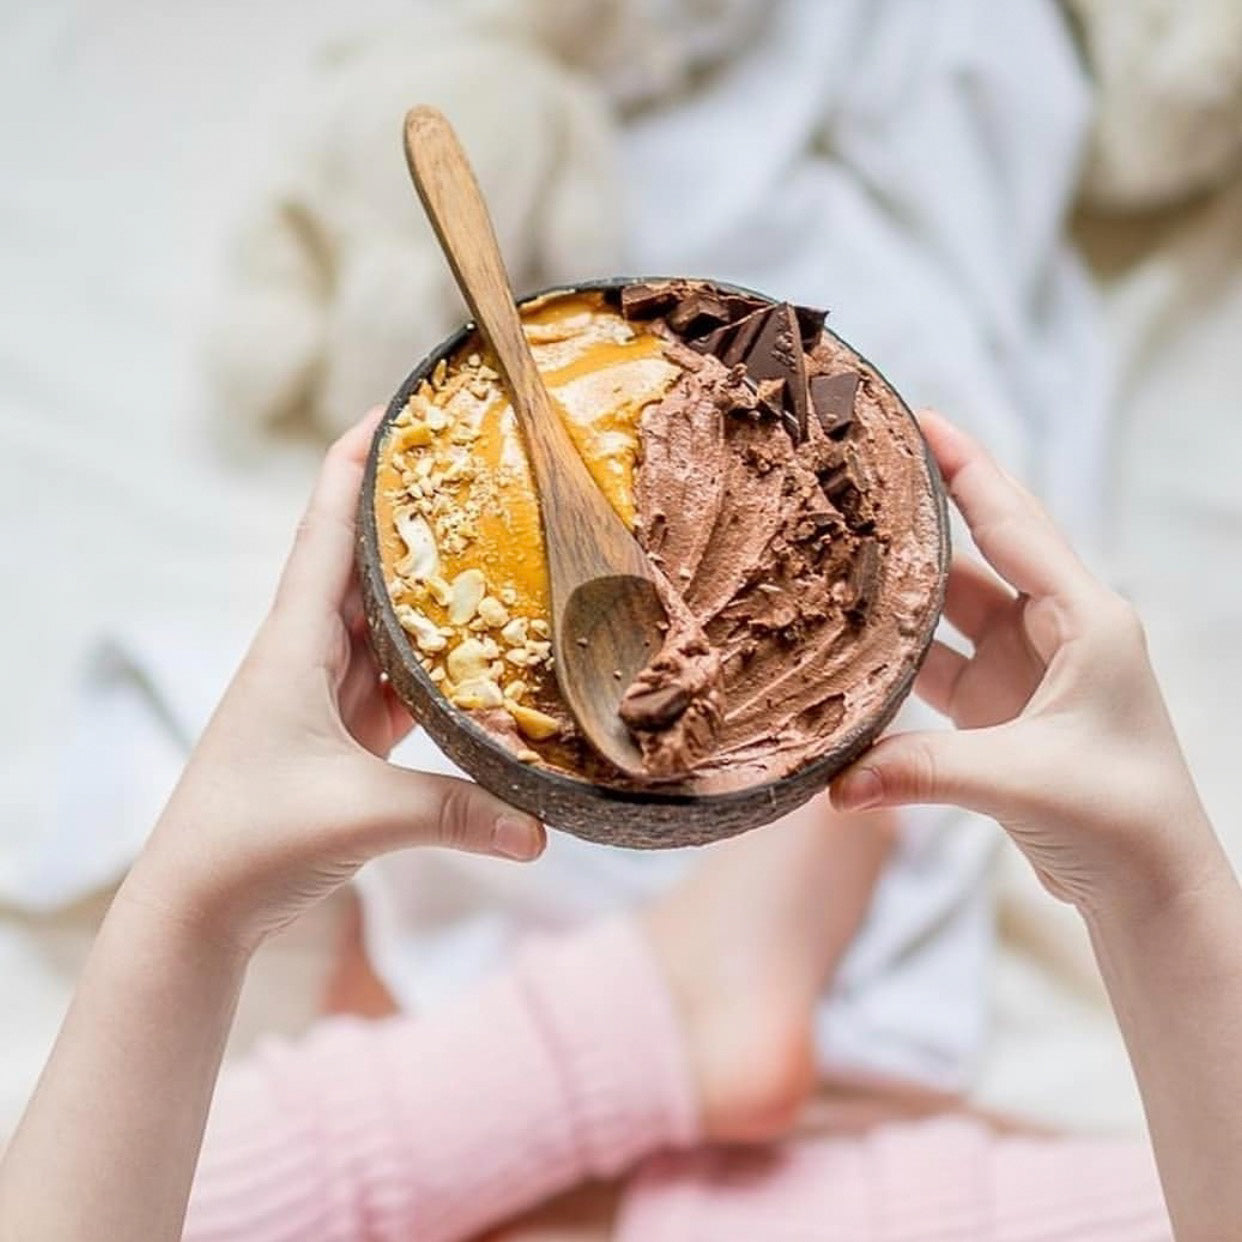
x: 946, y: 1180
x: 569, y: 1067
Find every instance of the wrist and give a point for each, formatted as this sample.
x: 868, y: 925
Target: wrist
x: 1179, y: 863
x: 157, y: 900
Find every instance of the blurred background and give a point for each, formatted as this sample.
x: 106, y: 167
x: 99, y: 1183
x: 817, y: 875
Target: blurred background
x: 1027, y: 212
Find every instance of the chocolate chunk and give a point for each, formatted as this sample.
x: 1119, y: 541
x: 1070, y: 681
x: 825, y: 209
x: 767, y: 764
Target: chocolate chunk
x: 769, y: 340
x: 644, y: 301
x: 832, y: 397
x: 771, y: 396
x: 656, y: 708
x: 775, y: 352
x: 848, y: 486
x: 789, y: 420
x: 698, y: 314
x: 810, y: 324
x: 864, y: 580
x: 843, y: 486
x: 743, y: 335
x: 716, y: 341
x: 742, y: 304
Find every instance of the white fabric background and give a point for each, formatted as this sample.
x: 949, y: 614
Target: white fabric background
x: 136, y: 138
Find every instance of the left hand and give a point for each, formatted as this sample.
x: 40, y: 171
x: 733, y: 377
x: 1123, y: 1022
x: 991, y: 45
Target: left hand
x: 288, y: 791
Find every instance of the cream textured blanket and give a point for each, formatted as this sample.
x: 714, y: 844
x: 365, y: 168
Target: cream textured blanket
x: 147, y: 131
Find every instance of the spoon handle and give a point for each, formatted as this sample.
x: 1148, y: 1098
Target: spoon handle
x: 606, y: 607
x: 454, y: 204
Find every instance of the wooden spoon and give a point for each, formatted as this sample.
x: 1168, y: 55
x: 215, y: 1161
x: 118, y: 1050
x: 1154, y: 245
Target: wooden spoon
x: 607, y: 618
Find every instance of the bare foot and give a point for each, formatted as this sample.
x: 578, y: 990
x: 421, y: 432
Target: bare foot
x: 353, y: 987
x: 748, y: 942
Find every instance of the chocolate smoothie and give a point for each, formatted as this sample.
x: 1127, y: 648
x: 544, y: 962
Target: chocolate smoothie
x: 768, y: 471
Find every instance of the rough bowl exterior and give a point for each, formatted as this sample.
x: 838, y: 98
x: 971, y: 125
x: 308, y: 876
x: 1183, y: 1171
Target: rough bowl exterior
x: 638, y: 819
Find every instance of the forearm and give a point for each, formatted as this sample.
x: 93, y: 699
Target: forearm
x: 1174, y: 974
x: 108, y: 1144
x: 569, y: 1066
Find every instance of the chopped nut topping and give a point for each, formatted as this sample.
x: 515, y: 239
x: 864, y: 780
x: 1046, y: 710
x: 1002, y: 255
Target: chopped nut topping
x: 515, y: 689
x: 468, y: 589
x: 492, y: 612
x: 416, y: 435
x: 534, y: 724
x: 439, y: 590
x: 478, y: 693
x: 514, y: 633
x: 422, y: 559
x: 426, y: 637
x: 467, y: 661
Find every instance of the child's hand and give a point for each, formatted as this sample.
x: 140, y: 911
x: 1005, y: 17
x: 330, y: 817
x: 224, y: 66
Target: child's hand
x: 1064, y: 737
x: 287, y: 792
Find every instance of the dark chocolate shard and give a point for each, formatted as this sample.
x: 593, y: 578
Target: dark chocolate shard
x: 810, y: 324
x: 657, y: 708
x: 863, y: 583
x: 832, y: 397
x: 644, y: 301
x: 697, y: 314
x: 844, y: 487
x: 742, y: 304
x: 776, y: 353
x: 744, y: 334
x: 716, y: 341
x: 771, y: 396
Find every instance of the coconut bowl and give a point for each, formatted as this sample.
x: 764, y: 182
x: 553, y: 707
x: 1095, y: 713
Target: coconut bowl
x: 637, y: 818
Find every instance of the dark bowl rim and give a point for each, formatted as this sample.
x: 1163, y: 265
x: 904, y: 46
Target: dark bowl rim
x: 371, y: 564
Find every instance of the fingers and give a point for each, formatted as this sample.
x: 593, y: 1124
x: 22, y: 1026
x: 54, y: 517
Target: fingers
x: 405, y: 808
x: 400, y: 722
x: 1010, y: 528
x: 972, y: 769
x: 937, y: 679
x: 974, y: 598
x: 317, y: 575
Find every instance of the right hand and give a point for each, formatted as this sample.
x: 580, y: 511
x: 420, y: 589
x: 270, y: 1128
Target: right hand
x: 288, y: 791
x: 1062, y: 732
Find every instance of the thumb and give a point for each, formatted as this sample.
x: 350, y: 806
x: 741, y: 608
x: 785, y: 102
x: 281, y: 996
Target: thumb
x: 970, y: 769
x: 405, y: 808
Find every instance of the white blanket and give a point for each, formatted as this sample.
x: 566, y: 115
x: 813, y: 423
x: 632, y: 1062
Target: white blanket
x: 908, y: 165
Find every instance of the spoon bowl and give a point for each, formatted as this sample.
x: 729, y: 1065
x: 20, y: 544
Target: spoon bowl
x: 596, y: 633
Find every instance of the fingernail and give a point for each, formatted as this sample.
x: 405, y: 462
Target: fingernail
x: 519, y: 839
x: 859, y: 791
